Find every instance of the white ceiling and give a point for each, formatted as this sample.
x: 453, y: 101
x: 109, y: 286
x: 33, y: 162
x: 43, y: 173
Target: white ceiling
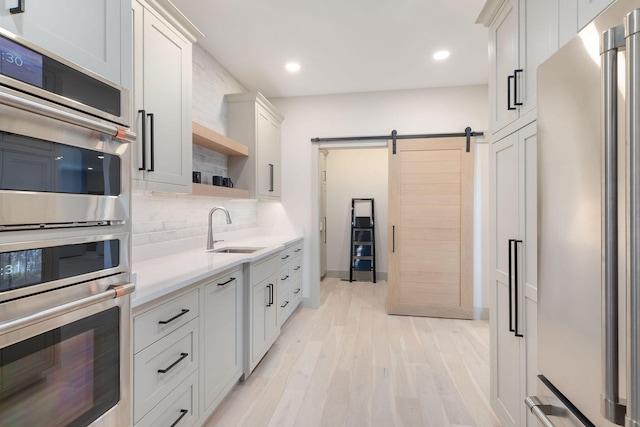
x: 343, y: 46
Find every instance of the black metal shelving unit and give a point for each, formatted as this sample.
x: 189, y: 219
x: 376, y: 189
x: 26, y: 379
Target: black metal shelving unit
x: 363, y: 240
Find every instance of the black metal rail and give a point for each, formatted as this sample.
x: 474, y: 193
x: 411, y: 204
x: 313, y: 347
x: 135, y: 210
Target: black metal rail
x: 468, y: 133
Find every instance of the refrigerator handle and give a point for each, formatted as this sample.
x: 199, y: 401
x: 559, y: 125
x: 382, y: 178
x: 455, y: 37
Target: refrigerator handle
x: 632, y: 35
x: 516, y: 301
x: 611, y: 408
x: 510, y: 273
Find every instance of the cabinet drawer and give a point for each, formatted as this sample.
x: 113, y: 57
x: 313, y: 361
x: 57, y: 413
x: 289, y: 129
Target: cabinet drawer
x: 296, y: 267
x: 296, y: 248
x: 264, y: 269
x: 176, y: 355
x: 296, y: 293
x: 158, y: 322
x: 180, y: 408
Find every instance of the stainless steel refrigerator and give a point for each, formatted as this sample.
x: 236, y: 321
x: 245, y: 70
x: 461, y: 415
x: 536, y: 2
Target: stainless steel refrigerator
x: 589, y: 226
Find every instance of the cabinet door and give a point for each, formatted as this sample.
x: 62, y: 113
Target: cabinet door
x: 162, y: 69
x: 505, y: 346
x: 504, y: 45
x: 92, y: 43
x: 538, y: 41
x: 222, y: 362
x: 260, y: 304
x: 268, y: 167
x: 589, y: 9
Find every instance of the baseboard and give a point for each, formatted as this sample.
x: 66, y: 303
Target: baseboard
x: 481, y: 313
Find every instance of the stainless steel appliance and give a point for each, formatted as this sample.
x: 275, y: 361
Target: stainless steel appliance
x: 589, y: 226
x: 65, y: 274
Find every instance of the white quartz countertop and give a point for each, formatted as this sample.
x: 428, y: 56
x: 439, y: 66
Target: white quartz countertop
x: 161, y: 276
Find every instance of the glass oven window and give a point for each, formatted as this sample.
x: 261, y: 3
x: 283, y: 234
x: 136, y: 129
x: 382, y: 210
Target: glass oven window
x: 68, y: 376
x: 22, y: 268
x: 31, y: 164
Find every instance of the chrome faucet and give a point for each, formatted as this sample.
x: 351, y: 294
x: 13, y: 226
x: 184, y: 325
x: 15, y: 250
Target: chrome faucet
x: 210, y: 240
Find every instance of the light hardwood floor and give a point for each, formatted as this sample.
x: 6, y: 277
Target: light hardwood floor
x: 350, y: 364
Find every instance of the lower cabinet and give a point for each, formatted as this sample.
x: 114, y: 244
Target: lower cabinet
x: 513, y: 260
x: 289, y: 281
x: 187, y: 352
x: 262, y: 309
x: 222, y: 338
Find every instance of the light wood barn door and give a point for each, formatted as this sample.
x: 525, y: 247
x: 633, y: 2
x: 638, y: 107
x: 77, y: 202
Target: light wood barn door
x: 431, y: 228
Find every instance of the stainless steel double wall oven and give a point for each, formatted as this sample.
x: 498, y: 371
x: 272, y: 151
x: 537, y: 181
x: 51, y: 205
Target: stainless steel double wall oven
x: 64, y: 242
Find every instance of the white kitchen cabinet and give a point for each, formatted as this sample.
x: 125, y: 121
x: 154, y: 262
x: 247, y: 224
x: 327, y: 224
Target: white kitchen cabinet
x: 162, y: 63
x: 179, y: 408
x: 289, y: 281
x: 261, y: 319
x: 589, y: 9
x: 521, y: 36
x: 513, y: 274
x: 101, y: 44
x: 253, y: 121
x: 221, y: 366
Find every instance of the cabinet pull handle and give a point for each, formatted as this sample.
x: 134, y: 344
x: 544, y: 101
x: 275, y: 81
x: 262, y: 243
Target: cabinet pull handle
x: 182, y: 313
x: 297, y: 250
x: 511, y: 328
x: 183, y: 412
x: 297, y: 268
x: 285, y: 278
x: 515, y: 87
x: 284, y: 257
x: 153, y: 142
x: 231, y: 279
x: 296, y: 291
x: 509, y: 78
x: 144, y: 140
x: 182, y: 357
x: 325, y: 229
x: 18, y: 9
x: 270, y: 177
x: 393, y: 238
x: 515, y: 280
x: 285, y: 304
x: 270, y: 303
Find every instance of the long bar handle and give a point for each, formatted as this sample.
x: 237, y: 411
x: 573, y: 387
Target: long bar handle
x: 516, y: 302
x: 509, y: 106
x: 231, y: 279
x: 271, y: 177
x: 515, y: 88
x: 632, y: 35
x: 152, y: 141
x: 170, y: 367
x: 510, y: 282
x: 183, y: 413
x: 611, y: 408
x: 182, y: 313
x: 112, y: 292
x: 393, y: 238
x: 539, y: 410
x: 55, y: 113
x: 18, y: 9
x: 144, y: 140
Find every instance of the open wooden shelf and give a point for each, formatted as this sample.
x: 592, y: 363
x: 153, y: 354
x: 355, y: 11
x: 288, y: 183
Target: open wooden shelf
x: 217, y: 191
x: 212, y: 140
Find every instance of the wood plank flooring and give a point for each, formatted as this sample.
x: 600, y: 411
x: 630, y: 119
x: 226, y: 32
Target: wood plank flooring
x: 350, y: 364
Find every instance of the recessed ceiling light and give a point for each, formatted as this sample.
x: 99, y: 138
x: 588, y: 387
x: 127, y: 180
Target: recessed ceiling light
x: 293, y: 67
x: 441, y: 54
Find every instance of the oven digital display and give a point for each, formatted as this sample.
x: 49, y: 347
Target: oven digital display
x: 19, y: 269
x: 20, y: 63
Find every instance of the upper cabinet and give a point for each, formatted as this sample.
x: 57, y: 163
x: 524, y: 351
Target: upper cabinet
x: 589, y: 9
x: 100, y: 44
x: 162, y: 41
x: 521, y: 36
x: 253, y: 121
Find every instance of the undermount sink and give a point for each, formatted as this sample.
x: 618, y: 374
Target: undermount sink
x: 233, y: 250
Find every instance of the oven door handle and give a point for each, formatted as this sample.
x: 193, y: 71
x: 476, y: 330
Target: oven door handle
x: 113, y: 292
x: 54, y: 113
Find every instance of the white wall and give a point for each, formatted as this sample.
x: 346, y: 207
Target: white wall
x: 409, y: 112
x: 355, y: 173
